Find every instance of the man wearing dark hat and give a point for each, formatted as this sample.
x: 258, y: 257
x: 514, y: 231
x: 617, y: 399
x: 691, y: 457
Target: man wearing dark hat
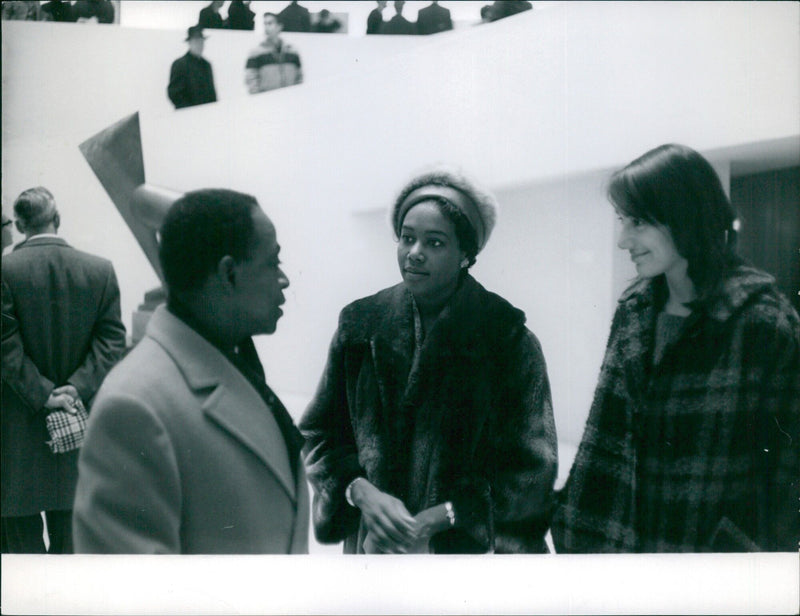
x: 191, y: 80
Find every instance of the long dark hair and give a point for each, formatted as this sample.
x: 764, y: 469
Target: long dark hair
x: 674, y: 186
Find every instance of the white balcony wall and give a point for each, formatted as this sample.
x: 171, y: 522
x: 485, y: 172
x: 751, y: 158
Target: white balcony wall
x: 539, y: 107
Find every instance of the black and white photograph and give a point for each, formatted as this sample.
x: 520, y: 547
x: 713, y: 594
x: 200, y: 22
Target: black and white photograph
x: 475, y: 307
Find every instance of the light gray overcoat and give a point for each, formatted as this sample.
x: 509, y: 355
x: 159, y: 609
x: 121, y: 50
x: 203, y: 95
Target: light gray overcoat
x: 183, y: 456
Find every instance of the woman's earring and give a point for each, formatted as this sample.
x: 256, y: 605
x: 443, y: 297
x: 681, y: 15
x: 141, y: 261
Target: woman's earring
x: 464, y: 263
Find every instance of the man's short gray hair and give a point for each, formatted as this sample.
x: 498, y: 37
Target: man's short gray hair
x: 35, y: 208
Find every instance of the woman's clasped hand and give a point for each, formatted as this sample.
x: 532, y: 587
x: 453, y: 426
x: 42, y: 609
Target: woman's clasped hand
x: 391, y: 529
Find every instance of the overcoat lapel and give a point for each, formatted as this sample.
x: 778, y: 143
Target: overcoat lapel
x: 233, y: 404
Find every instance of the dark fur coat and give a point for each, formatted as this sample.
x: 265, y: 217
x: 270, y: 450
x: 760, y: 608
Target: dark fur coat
x: 472, y: 423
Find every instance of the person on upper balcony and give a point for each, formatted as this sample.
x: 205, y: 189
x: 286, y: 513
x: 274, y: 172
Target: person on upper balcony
x: 191, y: 79
x: 295, y: 18
x: 375, y: 18
x: 274, y: 63
x: 241, y: 16
x: 433, y: 19
x: 399, y: 24
x: 210, y: 17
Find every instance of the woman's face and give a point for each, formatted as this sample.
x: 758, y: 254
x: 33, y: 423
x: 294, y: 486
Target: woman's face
x: 652, y: 248
x: 429, y: 254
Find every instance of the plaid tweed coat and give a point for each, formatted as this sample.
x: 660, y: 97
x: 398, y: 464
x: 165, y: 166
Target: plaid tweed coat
x: 470, y: 423
x: 699, y: 452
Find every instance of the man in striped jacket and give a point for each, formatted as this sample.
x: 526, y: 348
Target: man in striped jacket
x: 274, y: 63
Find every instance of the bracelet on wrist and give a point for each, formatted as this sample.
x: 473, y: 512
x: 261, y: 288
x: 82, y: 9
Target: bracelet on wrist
x: 451, y: 515
x: 348, y: 492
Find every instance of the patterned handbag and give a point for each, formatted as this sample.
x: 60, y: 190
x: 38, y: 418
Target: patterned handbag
x: 67, y: 430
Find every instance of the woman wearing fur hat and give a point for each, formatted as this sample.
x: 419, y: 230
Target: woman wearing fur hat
x: 432, y: 427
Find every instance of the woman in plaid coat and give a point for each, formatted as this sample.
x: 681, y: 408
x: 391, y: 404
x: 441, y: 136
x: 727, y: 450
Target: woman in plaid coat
x: 692, y: 443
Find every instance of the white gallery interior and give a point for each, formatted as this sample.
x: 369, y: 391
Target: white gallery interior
x: 539, y: 108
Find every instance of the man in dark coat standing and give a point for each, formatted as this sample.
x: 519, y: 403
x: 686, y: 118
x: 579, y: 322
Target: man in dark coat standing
x: 240, y: 16
x: 398, y: 24
x: 295, y: 18
x: 61, y: 335
x: 191, y: 80
x: 433, y: 19
x: 210, y: 17
x: 375, y: 18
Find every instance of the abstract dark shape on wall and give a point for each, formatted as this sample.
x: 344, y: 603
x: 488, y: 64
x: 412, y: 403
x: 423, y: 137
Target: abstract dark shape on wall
x: 115, y: 156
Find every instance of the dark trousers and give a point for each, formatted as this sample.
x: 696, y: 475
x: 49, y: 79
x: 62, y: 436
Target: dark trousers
x: 24, y: 534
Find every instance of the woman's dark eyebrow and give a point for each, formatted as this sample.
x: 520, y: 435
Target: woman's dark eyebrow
x: 430, y: 232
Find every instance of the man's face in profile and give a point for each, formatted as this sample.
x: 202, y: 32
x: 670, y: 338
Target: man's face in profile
x: 260, y: 281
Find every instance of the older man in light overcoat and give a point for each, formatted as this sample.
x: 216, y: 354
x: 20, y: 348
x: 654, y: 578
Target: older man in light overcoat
x: 188, y: 451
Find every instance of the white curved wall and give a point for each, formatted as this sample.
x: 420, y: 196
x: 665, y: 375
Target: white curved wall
x: 539, y: 107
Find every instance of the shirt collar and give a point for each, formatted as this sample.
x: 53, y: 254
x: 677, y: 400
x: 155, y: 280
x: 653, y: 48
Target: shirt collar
x: 38, y: 235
